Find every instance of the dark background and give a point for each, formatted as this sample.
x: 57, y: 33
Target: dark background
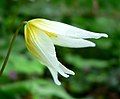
x: 97, y: 69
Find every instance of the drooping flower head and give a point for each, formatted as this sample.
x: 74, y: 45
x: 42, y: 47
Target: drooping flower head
x: 41, y: 35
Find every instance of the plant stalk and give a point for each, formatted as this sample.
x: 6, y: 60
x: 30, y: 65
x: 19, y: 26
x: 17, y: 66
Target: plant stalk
x: 10, y: 48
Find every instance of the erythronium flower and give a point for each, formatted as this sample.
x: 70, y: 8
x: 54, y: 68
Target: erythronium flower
x: 41, y: 35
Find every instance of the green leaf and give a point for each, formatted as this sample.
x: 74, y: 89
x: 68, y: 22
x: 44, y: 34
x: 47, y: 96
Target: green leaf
x: 22, y: 64
x: 37, y: 87
x: 79, y: 62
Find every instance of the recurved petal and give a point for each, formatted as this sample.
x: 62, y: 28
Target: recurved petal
x: 43, y: 48
x: 66, y: 70
x: 54, y: 75
x: 65, y: 29
x: 66, y: 41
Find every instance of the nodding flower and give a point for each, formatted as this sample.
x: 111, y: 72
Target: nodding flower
x: 41, y: 35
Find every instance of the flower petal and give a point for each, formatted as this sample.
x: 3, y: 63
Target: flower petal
x: 71, y: 42
x: 66, y: 70
x: 40, y: 45
x: 54, y: 75
x: 65, y: 29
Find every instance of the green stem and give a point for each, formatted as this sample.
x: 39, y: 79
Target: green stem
x: 10, y: 48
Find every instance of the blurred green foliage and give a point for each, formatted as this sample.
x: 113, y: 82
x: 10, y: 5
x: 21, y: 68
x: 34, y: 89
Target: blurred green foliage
x: 97, y: 69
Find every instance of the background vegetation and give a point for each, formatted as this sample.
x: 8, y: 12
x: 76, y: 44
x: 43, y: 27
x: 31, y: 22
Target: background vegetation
x: 97, y: 69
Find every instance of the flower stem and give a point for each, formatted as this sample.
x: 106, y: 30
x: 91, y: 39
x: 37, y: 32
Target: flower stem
x: 10, y: 48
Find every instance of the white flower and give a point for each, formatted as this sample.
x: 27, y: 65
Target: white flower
x: 41, y: 35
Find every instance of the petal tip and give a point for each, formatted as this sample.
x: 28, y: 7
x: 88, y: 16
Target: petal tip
x: 73, y: 73
x: 102, y: 35
x: 93, y: 45
x: 105, y: 35
x: 58, y: 83
x: 66, y: 76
